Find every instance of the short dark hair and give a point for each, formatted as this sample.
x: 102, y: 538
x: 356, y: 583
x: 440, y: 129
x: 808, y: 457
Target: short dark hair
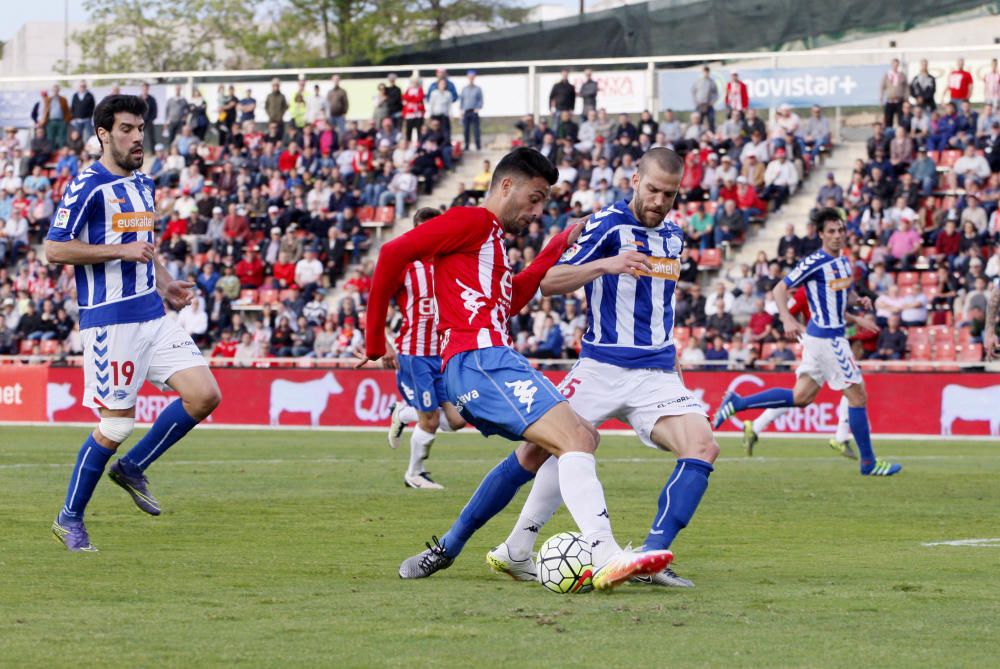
x: 825, y: 215
x: 425, y: 214
x: 104, y: 113
x: 664, y: 158
x: 525, y: 162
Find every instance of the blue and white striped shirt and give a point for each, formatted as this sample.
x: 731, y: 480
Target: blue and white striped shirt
x: 99, y: 207
x: 630, y: 322
x: 828, y: 282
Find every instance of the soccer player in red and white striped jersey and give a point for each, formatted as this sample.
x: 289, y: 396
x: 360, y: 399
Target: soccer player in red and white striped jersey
x: 418, y: 374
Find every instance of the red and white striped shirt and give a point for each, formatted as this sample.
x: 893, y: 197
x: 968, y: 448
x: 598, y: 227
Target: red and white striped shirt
x: 473, y: 285
x: 418, y: 334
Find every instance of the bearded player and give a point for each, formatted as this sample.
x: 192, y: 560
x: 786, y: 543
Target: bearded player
x: 494, y: 387
x: 104, y: 226
x: 628, y: 362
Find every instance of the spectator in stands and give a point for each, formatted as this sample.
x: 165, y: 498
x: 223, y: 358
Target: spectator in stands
x: 729, y: 224
x: 901, y: 151
x: 671, y: 128
x: 816, y: 133
x: 892, y: 93
x: 942, y: 134
x: 924, y: 172
x: 308, y: 272
x: 781, y: 352
x: 780, y: 179
x: 471, y: 102
x: 275, y: 106
x: 970, y: 167
x: 923, y: 87
x: 82, y: 111
x: 562, y: 98
x: 959, y: 83
x: 830, y: 189
x: 904, y: 246
x: 974, y: 214
x: 338, y: 105
x: 704, y: 95
x: 891, y: 341
x: 737, y: 99
x: 789, y: 241
x: 7, y: 341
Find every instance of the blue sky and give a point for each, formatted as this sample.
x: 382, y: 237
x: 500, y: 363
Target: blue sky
x: 16, y: 14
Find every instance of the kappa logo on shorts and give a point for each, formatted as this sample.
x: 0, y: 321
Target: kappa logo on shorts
x: 408, y: 391
x: 119, y: 395
x: 524, y: 391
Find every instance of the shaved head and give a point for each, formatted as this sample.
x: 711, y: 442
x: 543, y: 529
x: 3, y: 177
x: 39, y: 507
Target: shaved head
x: 661, y: 159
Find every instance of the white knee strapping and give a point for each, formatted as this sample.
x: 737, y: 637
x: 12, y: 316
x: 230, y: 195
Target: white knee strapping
x: 116, y: 428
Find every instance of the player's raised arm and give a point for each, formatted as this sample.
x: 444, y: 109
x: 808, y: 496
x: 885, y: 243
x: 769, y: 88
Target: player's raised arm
x: 438, y: 236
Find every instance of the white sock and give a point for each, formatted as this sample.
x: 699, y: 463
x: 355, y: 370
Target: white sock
x: 408, y: 414
x: 443, y: 424
x: 843, y: 426
x: 420, y: 446
x: 542, y: 503
x: 584, y: 497
x: 768, y: 417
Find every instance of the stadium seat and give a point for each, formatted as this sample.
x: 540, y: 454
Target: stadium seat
x: 971, y: 353
x: 935, y: 156
x: 944, y: 350
x: 366, y: 214
x: 385, y: 215
x: 928, y: 278
x: 917, y: 335
x: 796, y: 348
x: 930, y: 292
x: 766, y: 350
x: 286, y: 294
x: 710, y: 259
x: 904, y: 279
x: 698, y: 333
x: 248, y: 296
x: 965, y: 335
x: 941, y: 333
x: 949, y: 157
x: 695, y: 254
x: 920, y: 352
x: 49, y: 347
x: 268, y: 296
x: 911, y: 289
x: 27, y: 346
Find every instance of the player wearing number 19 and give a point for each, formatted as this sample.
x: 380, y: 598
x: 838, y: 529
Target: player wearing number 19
x: 104, y: 226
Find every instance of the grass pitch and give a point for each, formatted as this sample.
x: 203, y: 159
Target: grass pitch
x: 280, y: 549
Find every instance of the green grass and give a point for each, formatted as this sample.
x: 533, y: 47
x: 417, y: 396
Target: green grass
x: 280, y: 549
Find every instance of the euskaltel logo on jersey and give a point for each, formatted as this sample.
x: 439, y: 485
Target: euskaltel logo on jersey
x: 134, y: 221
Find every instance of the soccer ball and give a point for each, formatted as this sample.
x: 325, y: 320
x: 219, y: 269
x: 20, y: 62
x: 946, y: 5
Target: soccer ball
x: 565, y: 564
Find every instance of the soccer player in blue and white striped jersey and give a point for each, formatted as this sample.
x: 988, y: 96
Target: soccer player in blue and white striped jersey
x: 104, y: 226
x: 826, y: 356
x: 628, y: 260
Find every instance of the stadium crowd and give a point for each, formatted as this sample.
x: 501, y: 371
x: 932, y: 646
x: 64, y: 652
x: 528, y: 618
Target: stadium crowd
x: 272, y: 221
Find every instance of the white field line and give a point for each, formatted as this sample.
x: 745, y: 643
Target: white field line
x: 374, y: 461
x: 981, y: 543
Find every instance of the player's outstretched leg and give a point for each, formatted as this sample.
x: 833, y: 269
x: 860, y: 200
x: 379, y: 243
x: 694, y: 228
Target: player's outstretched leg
x: 493, y: 494
x: 199, y: 395
x: 513, y: 557
x: 732, y: 403
x: 402, y: 415
x: 690, y: 438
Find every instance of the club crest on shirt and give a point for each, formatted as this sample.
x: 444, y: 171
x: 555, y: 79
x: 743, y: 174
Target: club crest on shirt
x: 673, y: 246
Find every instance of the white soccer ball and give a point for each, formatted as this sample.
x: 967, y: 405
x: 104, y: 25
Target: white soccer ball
x: 565, y: 564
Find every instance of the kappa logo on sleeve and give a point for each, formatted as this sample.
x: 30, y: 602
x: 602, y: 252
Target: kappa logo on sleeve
x: 62, y: 218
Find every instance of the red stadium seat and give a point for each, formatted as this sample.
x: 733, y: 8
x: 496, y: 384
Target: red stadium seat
x: 965, y: 335
x: 695, y: 255
x: 710, y: 259
x: 930, y: 292
x: 681, y: 335
x: 698, y: 333
x: 248, y: 296
x: 50, y: 347
x: 366, y: 214
x: 935, y: 156
x: 911, y: 289
x: 766, y: 350
x: 27, y: 346
x: 949, y: 157
x: 920, y: 352
x: 796, y: 348
x: 944, y: 350
x: 456, y: 150
x: 286, y: 294
x: 941, y: 333
x: 906, y: 279
x: 917, y: 335
x: 928, y: 278
x: 268, y: 296
x: 386, y: 215
x: 971, y: 353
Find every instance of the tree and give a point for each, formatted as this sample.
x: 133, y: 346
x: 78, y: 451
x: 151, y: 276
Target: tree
x: 168, y: 35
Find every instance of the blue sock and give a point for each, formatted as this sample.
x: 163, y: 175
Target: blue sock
x: 490, y: 498
x: 857, y: 417
x: 90, y: 464
x: 678, y: 501
x: 772, y: 398
x: 168, y: 429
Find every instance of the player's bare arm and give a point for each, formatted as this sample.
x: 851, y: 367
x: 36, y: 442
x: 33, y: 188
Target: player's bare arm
x: 863, y: 322
x: 76, y: 252
x: 853, y: 298
x: 567, y: 278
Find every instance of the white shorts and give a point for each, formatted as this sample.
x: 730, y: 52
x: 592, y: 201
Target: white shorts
x: 117, y: 359
x: 829, y: 361
x: 598, y: 391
